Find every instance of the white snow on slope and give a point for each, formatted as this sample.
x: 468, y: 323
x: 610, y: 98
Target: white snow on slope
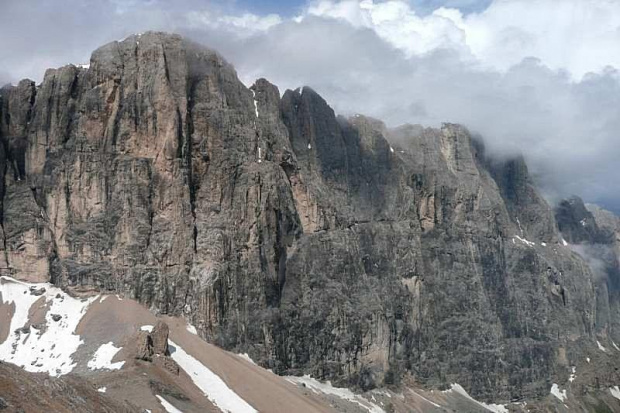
x: 50, y: 349
x: 523, y: 240
x: 326, y: 388
x: 167, y: 406
x: 615, y: 391
x: 573, y: 375
x: 255, y: 102
x: 424, y: 398
x: 102, y: 359
x: 600, y: 346
x: 102, y: 389
x: 497, y: 408
x: 192, y: 329
x: 147, y: 328
x: 560, y: 394
x: 615, y: 346
x: 213, y: 387
x: 247, y: 357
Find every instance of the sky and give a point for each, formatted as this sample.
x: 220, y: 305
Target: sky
x: 536, y: 77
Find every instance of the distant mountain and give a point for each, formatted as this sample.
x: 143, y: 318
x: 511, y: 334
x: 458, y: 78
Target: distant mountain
x: 377, y: 258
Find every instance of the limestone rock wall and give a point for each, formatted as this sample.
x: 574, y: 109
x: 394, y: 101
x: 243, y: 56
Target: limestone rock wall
x: 318, y: 244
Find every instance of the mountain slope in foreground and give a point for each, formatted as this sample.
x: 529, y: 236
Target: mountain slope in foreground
x: 337, y: 248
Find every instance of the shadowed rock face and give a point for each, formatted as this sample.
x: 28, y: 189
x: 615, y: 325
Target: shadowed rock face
x: 318, y: 244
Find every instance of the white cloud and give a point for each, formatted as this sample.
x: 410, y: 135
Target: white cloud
x: 397, y: 23
x: 576, y: 35
x: 244, y: 25
x: 516, y: 72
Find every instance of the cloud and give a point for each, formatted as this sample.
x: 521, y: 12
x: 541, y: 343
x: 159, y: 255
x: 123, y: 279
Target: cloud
x: 575, y: 35
x: 245, y: 25
x: 531, y: 77
x: 601, y: 258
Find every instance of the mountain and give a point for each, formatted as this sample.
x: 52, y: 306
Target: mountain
x: 373, y: 257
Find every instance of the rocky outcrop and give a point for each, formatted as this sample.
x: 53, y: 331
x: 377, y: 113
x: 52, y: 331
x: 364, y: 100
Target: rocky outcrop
x: 318, y: 244
x: 152, y: 346
x: 159, y: 337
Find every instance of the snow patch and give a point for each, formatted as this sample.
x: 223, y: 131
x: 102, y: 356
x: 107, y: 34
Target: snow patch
x: 560, y: 394
x: 588, y: 359
x: 391, y: 149
x: 615, y: 391
x: 84, y: 65
x: 49, y: 349
x: 615, y: 346
x: 564, y: 242
x: 519, y: 223
x: 423, y: 398
x: 192, y: 329
x: 573, y: 376
x: 342, y: 393
x: 309, y: 146
x: 497, y: 408
x: 102, y: 359
x: 255, y: 102
x: 523, y: 240
x: 167, y: 406
x: 210, y: 383
x: 147, y: 327
x: 600, y: 346
x: 246, y: 357
x: 544, y: 244
x: 102, y: 389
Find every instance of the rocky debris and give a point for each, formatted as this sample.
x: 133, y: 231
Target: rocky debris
x: 29, y: 392
x: 351, y: 252
x: 165, y: 390
x: 56, y: 317
x: 23, y: 330
x: 167, y: 364
x: 37, y: 291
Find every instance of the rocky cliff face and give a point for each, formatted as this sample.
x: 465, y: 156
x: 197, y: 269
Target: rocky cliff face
x: 319, y: 244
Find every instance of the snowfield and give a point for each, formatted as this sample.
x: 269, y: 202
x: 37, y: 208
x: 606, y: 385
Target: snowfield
x: 102, y: 359
x: 457, y: 388
x: 210, y: 383
x: 167, y: 406
x: 48, y: 347
x: 560, y: 394
x: 343, y: 393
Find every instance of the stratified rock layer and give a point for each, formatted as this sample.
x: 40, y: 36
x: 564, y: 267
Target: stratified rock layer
x: 318, y: 244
